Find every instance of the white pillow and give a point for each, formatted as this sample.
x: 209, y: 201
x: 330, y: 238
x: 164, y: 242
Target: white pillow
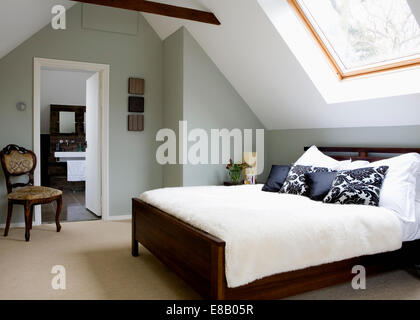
x: 418, y: 186
x: 411, y: 230
x: 416, y: 233
x: 314, y: 157
x: 418, y: 189
x: 415, y: 229
x: 350, y: 165
x: 398, y: 191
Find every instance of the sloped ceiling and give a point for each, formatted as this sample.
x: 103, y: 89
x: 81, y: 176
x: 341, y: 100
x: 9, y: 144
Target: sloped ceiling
x: 20, y: 19
x: 254, y: 58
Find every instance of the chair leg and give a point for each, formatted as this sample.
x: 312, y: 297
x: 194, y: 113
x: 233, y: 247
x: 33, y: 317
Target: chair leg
x: 31, y: 218
x: 28, y: 209
x: 57, y: 214
x: 9, y: 218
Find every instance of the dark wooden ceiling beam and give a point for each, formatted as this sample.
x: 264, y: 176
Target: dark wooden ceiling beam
x: 159, y: 8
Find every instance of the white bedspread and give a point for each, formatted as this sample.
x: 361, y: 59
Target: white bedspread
x: 268, y: 233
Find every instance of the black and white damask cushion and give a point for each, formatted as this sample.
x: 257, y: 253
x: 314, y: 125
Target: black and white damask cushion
x: 358, y: 186
x: 296, y: 181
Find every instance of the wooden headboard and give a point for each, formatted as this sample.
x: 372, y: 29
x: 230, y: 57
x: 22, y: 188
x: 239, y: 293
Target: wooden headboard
x: 364, y: 153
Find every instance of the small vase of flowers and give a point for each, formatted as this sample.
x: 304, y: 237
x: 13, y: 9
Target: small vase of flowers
x: 235, y: 171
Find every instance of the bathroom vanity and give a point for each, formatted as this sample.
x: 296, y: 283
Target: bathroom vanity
x: 66, y: 142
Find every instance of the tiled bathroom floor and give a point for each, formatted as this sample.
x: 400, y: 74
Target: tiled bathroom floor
x: 73, y: 209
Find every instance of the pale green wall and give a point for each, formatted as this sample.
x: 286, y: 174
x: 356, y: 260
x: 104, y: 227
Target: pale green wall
x: 210, y: 102
x: 285, y: 146
x: 196, y: 91
x: 173, y: 99
x: 133, y: 168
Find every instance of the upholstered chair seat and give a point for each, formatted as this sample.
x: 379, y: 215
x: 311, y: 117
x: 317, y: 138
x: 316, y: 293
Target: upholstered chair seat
x: 17, y: 161
x: 34, y: 193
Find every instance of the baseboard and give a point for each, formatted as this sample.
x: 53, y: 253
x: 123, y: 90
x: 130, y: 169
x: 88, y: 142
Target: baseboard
x: 117, y: 218
x: 22, y: 224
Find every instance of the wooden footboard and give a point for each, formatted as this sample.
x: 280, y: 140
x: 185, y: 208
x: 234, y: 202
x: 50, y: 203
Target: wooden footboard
x: 198, y: 258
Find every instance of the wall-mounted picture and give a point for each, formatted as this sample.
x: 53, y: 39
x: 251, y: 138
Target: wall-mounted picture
x: 135, y: 122
x: 135, y: 104
x: 136, y: 86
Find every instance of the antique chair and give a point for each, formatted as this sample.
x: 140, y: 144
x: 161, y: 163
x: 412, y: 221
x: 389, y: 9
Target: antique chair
x: 17, y: 161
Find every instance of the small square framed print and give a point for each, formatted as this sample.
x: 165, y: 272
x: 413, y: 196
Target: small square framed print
x: 136, y: 86
x: 135, y: 104
x: 135, y: 122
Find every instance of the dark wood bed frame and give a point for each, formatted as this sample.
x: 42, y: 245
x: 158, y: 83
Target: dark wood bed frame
x: 198, y: 257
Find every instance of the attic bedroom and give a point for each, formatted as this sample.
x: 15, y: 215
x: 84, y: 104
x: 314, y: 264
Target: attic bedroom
x: 210, y: 150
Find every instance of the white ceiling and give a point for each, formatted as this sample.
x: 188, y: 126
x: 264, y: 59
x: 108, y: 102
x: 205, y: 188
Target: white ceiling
x: 20, y: 19
x: 252, y: 55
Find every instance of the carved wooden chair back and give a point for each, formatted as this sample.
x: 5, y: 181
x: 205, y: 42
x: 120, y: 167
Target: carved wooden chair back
x: 17, y: 161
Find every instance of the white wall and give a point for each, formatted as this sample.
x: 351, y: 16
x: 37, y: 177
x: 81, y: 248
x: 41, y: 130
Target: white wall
x: 61, y: 87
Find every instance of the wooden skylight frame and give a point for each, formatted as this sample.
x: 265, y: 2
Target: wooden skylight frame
x: 386, y: 67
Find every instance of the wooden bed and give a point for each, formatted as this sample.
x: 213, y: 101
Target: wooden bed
x: 198, y: 257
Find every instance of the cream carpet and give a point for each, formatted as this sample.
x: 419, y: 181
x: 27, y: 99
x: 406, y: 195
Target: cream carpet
x: 98, y: 262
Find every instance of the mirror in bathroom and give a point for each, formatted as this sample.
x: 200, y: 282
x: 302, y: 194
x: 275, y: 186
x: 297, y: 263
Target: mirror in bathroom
x: 67, y: 122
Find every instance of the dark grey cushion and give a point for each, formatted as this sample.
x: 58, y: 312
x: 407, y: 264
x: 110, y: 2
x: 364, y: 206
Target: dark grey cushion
x: 278, y: 175
x: 319, y: 184
x: 296, y: 181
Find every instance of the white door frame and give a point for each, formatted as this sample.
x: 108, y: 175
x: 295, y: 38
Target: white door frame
x: 103, y: 70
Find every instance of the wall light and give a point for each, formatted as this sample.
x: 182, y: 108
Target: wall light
x: 21, y: 106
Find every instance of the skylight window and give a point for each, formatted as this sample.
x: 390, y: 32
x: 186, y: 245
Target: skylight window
x: 363, y: 36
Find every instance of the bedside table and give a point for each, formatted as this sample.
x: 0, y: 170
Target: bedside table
x: 230, y: 184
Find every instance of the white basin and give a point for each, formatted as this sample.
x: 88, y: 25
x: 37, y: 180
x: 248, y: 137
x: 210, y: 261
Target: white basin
x: 66, y: 156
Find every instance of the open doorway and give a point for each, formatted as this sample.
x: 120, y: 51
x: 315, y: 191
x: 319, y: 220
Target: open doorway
x: 69, y: 118
x: 70, y: 103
